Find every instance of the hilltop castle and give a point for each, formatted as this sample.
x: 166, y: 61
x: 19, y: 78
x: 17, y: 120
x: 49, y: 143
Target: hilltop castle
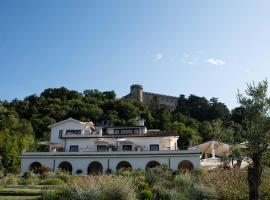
x: 137, y: 93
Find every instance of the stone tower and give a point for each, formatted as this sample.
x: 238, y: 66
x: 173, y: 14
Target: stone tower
x: 136, y: 92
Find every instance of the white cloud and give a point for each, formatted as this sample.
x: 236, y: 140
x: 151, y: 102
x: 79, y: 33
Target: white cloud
x: 214, y: 61
x: 158, y: 56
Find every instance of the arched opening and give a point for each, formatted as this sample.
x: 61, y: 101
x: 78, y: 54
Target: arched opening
x: 65, y: 166
x: 34, y: 167
x: 185, y: 165
x: 152, y: 164
x: 124, y: 165
x: 94, y: 168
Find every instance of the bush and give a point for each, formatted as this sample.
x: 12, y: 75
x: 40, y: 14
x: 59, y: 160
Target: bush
x: 146, y: 195
x: 48, y: 175
x: 50, y: 195
x: 164, y: 194
x: 229, y: 184
x: 28, y: 181
x: 183, y: 180
x: 153, y: 175
x: 118, y: 188
x: 53, y: 181
x: 64, y: 176
x: 10, y: 180
x: 93, y: 192
x: 79, y: 171
x: 42, y: 170
x: 142, y: 186
x: 200, y: 192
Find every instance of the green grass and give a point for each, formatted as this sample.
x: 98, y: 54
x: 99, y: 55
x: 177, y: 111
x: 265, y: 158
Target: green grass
x: 20, y: 197
x: 19, y: 192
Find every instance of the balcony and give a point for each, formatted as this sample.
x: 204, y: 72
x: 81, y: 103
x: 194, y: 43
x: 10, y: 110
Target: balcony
x: 80, y: 133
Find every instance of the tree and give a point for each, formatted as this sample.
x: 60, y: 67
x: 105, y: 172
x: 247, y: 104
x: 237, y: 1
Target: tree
x: 187, y: 135
x: 218, y: 110
x: 10, y: 154
x: 162, y: 117
x: 238, y: 115
x: 206, y: 131
x: 257, y: 131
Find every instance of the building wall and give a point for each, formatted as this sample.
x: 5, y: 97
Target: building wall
x: 109, y: 161
x: 68, y: 125
x: 88, y: 144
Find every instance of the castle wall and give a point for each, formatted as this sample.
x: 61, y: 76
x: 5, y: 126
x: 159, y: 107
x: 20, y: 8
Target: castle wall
x: 162, y: 99
x: 137, y: 93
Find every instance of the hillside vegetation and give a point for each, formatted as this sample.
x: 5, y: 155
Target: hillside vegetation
x: 24, y: 122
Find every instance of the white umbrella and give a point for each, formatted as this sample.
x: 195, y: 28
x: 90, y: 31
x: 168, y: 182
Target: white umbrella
x: 214, y: 148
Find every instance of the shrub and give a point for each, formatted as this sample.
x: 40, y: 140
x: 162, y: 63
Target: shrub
x: 183, y: 180
x: 93, y: 192
x: 48, y: 175
x: 79, y: 171
x: 142, y: 186
x: 118, y: 188
x: 164, y: 194
x: 28, y: 181
x: 146, y: 195
x: 200, y: 192
x: 53, y: 181
x: 10, y: 180
x: 153, y: 175
x: 42, y: 170
x: 229, y: 184
x: 64, y: 176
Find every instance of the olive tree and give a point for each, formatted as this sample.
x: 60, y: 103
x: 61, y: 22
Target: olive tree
x: 257, y: 131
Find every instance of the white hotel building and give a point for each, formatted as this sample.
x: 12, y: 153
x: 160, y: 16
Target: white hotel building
x: 81, y: 148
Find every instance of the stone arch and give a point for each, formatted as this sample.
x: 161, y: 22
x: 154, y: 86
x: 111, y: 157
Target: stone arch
x: 124, y: 165
x: 65, y: 166
x: 35, y: 166
x: 95, y: 168
x: 152, y: 164
x: 185, y: 165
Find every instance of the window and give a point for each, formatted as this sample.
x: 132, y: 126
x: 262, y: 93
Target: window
x: 127, y: 147
x: 60, y: 133
x: 154, y: 147
x: 73, y: 132
x: 101, y: 148
x: 73, y: 148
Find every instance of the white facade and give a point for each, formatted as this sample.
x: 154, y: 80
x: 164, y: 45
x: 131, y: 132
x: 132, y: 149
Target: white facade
x: 87, y: 149
x: 109, y: 160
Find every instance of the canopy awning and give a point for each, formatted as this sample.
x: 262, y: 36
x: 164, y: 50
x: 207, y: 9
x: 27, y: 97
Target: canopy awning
x: 124, y: 141
x: 214, y: 148
x: 101, y: 142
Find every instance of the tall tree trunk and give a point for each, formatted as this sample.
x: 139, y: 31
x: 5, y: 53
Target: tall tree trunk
x: 254, y: 178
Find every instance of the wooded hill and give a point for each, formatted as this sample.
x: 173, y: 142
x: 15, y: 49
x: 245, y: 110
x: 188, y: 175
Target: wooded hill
x: 24, y: 122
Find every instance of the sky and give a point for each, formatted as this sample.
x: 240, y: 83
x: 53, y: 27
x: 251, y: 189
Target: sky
x: 208, y: 48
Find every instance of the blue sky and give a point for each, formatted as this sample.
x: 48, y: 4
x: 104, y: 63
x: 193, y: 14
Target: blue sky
x: 209, y: 48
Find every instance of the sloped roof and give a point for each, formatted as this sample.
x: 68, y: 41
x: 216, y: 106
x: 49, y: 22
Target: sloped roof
x: 67, y: 120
